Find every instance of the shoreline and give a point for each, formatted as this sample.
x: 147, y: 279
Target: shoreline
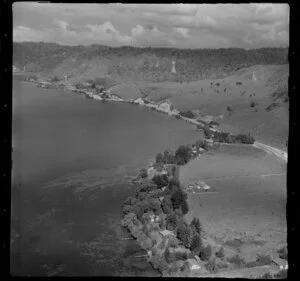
x: 151, y: 105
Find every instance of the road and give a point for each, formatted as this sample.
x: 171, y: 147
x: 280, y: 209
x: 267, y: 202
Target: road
x: 278, y: 152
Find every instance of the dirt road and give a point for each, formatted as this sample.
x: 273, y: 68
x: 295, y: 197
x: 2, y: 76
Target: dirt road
x: 278, y: 152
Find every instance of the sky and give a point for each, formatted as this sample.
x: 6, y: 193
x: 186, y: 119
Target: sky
x: 154, y: 25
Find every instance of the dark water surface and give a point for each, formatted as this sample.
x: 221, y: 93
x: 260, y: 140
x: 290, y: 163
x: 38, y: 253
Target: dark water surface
x: 71, y: 159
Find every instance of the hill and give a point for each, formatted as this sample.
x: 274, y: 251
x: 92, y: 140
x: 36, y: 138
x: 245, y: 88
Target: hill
x: 245, y: 91
x: 139, y: 64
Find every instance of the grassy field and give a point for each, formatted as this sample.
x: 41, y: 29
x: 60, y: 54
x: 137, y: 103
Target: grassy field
x: 249, y: 205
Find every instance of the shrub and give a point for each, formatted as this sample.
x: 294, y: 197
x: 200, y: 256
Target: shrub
x: 205, y: 253
x: 213, y: 123
x: 263, y: 260
x: 282, y: 252
x: 160, y: 180
x: 212, y: 266
x: 246, y: 139
x: 143, y: 173
x: 237, y: 260
x: 187, y: 114
x: 217, y: 84
x: 267, y: 275
x: 239, y: 83
x: 207, y: 132
x: 185, y: 267
x: 252, y: 104
x: 220, y: 253
x: 229, y: 109
x: 54, y: 79
x: 173, y: 241
x: 200, y: 144
x: 282, y: 274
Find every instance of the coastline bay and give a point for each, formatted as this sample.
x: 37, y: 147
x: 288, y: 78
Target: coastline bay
x: 72, y: 146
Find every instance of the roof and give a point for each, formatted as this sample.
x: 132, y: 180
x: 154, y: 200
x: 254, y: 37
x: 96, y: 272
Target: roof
x: 166, y: 232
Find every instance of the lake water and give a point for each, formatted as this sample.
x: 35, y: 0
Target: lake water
x: 71, y: 160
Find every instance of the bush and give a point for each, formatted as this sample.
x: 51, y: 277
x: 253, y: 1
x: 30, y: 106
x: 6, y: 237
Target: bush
x: 267, y: 275
x: 237, y: 260
x: 212, y: 266
x: 246, y: 139
x: 200, y: 144
x: 143, y: 173
x: 187, y: 114
x: 205, y: 253
x: 160, y: 180
x: 282, y: 252
x: 213, y: 123
x: 239, y: 83
x: 263, y: 260
x: 220, y: 254
x: 54, y: 79
x: 229, y: 109
x: 207, y: 132
x: 173, y: 241
x: 252, y: 104
x: 282, y: 274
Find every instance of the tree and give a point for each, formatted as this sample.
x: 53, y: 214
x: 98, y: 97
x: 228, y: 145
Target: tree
x: 159, y: 158
x: 205, y: 253
x: 183, y: 154
x: 220, y: 254
x: 196, y: 226
x: 160, y: 180
x: 167, y: 205
x: 145, y: 185
x: 184, y: 234
x: 169, y: 157
x: 143, y: 173
x: 207, y: 132
x: 178, y: 199
x: 171, y: 221
x: 196, y: 244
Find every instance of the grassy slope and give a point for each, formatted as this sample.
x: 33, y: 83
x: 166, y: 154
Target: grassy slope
x: 136, y: 71
x: 250, y: 208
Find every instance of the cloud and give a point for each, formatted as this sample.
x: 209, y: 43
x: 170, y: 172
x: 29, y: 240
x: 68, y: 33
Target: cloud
x: 177, y: 25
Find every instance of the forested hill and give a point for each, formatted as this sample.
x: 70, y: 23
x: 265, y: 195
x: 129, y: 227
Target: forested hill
x: 147, y: 64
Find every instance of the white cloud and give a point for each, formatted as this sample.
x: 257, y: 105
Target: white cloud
x: 182, y: 31
x: 179, y: 25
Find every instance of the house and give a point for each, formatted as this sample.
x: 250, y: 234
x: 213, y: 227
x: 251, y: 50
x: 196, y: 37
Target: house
x: 139, y: 101
x: 166, y: 233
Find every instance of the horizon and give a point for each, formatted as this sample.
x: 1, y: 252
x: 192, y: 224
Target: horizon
x: 148, y: 47
x: 179, y: 26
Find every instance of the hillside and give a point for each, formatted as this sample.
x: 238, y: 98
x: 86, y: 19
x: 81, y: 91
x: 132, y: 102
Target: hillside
x: 139, y: 64
x: 245, y: 91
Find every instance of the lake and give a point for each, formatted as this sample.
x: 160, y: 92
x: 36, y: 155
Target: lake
x: 72, y: 160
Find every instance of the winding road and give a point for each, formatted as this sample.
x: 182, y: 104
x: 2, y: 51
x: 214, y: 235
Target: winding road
x: 278, y: 152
